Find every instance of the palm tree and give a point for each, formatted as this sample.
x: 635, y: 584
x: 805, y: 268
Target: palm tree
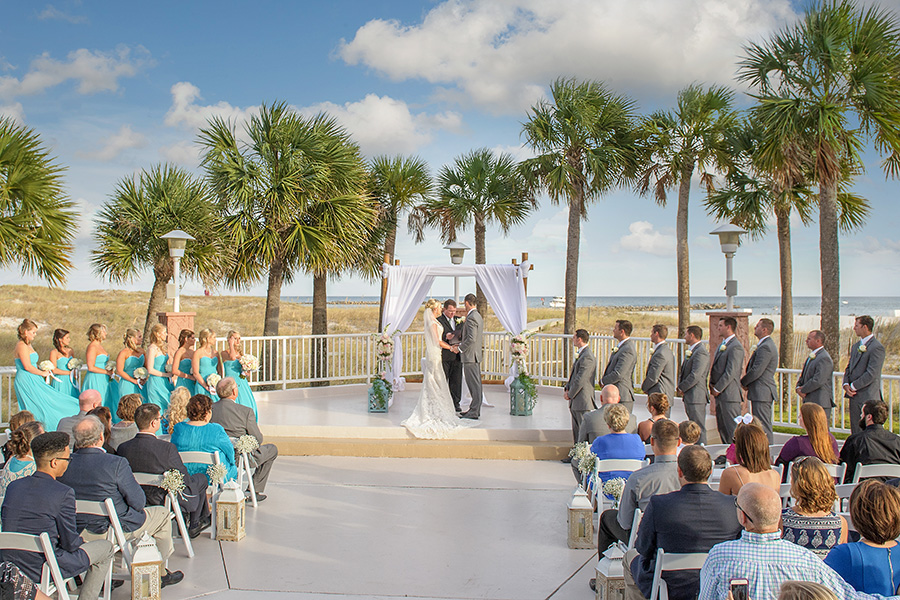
x: 143, y: 208
x: 585, y: 143
x: 831, y: 82
x: 399, y: 183
x: 482, y: 189
x: 38, y: 221
x: 674, y: 144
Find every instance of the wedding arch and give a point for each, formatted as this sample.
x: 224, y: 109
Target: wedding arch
x: 408, y: 286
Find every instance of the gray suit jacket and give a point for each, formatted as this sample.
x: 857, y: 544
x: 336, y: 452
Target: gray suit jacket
x: 725, y: 373
x: 864, y: 371
x: 66, y: 424
x: 815, y: 380
x: 660, y: 375
x: 581, y: 381
x: 620, y: 370
x: 760, y: 376
x: 694, y: 371
x: 593, y: 425
x: 235, y: 419
x: 470, y: 348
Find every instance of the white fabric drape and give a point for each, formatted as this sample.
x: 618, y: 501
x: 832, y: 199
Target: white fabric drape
x: 505, y: 291
x: 406, y: 290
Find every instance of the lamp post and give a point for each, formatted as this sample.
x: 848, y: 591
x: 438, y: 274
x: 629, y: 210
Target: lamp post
x: 457, y: 250
x: 729, y: 239
x: 177, y: 240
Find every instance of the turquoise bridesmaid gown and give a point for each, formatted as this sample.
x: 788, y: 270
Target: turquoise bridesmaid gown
x: 108, y: 388
x: 64, y: 384
x: 185, y: 367
x: 245, y: 394
x: 208, y: 366
x: 159, y: 389
x: 34, y: 395
x: 125, y: 386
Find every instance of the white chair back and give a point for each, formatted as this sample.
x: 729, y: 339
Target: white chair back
x: 635, y: 524
x: 774, y: 451
x: 844, y: 491
x: 672, y: 562
x: 115, y: 533
x: 172, y: 505
x: 206, y: 458
x: 865, y: 471
x: 836, y: 471
x: 612, y: 464
x: 716, y: 450
x: 244, y: 469
x: 52, y: 582
x: 785, y: 494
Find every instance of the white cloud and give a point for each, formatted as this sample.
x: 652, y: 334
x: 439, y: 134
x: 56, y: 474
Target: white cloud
x: 187, y: 113
x: 95, y: 71
x: 642, y: 237
x: 53, y: 13
x: 519, y: 153
x: 502, y: 55
x: 14, y: 110
x: 117, y: 143
x: 182, y: 153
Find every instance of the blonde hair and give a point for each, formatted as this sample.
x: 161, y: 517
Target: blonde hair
x: 25, y: 325
x: 812, y: 486
x: 203, y: 338
x: 805, y: 590
x: 94, y: 330
x: 177, y: 412
x: 130, y: 338
x: 239, y: 346
x: 158, y: 336
x: 431, y: 304
x: 616, y: 417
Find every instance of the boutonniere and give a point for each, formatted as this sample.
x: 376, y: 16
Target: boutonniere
x: 862, y: 348
x: 812, y: 355
x: 688, y: 353
x: 460, y: 319
x: 722, y: 348
x: 753, y: 348
x: 615, y: 349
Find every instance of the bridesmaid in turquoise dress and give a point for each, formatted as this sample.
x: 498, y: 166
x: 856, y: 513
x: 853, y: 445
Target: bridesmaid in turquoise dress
x: 181, y: 362
x: 60, y: 356
x: 32, y: 392
x: 205, y: 363
x: 130, y: 358
x: 100, y: 368
x: 159, y: 383
x: 231, y: 364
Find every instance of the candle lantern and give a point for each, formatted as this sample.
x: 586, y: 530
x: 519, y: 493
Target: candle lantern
x: 610, y: 575
x: 581, y: 520
x: 230, y: 513
x: 146, y: 570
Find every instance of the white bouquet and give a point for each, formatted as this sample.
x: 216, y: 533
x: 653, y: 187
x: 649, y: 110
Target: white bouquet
x: 614, y: 487
x: 141, y: 375
x: 47, y: 365
x: 249, y: 364
x: 212, y: 380
x: 217, y: 473
x: 579, y: 453
x: 74, y: 363
x: 246, y: 444
x: 173, y: 481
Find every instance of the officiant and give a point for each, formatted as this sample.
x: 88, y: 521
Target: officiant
x: 451, y: 361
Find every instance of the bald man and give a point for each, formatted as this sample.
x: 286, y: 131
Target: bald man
x: 87, y: 401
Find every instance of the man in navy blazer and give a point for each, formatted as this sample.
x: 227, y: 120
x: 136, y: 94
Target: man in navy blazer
x: 670, y: 522
x: 96, y: 476
x: 39, y: 503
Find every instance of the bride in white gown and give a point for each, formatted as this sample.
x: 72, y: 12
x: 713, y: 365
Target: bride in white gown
x: 434, y: 416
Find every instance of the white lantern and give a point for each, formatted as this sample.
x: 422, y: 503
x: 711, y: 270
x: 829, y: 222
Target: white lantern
x: 581, y: 520
x: 230, y: 513
x: 146, y: 570
x: 610, y: 575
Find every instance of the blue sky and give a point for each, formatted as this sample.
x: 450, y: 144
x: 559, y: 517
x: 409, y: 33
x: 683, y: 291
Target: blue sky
x: 114, y: 87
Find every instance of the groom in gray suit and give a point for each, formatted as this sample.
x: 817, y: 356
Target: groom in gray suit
x: 470, y: 352
x: 579, y: 390
x: 660, y: 376
x: 862, y: 378
x: 620, y: 368
x: 692, y: 380
x: 815, y: 381
x: 725, y: 379
x: 759, y: 379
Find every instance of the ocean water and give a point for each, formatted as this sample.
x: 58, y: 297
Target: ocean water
x: 877, y: 306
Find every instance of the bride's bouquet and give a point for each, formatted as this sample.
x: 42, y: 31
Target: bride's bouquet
x: 249, y: 364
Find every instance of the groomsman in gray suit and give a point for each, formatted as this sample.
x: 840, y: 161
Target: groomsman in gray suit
x: 759, y: 380
x: 660, y: 375
x: 725, y: 379
x: 619, y: 370
x: 815, y: 383
x: 692, y: 379
x: 579, y: 390
x: 862, y: 378
x: 470, y: 351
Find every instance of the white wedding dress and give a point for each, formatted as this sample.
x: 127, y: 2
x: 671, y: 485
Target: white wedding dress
x: 434, y: 416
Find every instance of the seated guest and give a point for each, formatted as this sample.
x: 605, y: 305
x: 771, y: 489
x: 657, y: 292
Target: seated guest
x: 16, y: 421
x: 752, y: 449
x: 199, y: 435
x: 15, y: 584
x: 39, y: 504
x: 22, y: 463
x: 617, y: 443
x: 146, y: 453
x: 805, y: 590
x: 818, y: 441
x: 88, y: 400
x: 658, y: 405
x: 96, y: 475
x: 593, y: 423
x: 874, y: 445
x: 177, y: 411
x: 867, y: 565
x: 810, y: 522
x: 237, y: 420
x: 125, y: 429
x: 690, y: 433
x: 660, y: 477
x: 760, y: 556
x: 663, y: 526
x: 105, y: 416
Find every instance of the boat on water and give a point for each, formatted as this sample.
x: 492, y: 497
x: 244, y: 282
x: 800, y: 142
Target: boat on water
x: 558, y: 302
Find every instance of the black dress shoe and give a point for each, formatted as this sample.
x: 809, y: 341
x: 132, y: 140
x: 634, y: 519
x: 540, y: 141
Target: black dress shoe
x: 259, y: 497
x: 117, y: 583
x: 199, y: 528
x: 593, y: 584
x: 468, y: 416
x: 567, y: 460
x: 171, y: 578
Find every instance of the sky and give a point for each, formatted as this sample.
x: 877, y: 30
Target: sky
x: 116, y: 87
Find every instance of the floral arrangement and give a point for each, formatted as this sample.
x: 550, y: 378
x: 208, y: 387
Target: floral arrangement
x: 217, y: 473
x: 173, y: 482
x: 384, y: 346
x: 213, y: 380
x: 524, y: 404
x: 579, y: 452
x: 246, y: 444
x: 614, y: 488
x: 518, y: 347
x: 74, y: 363
x: 249, y: 364
x: 380, y: 392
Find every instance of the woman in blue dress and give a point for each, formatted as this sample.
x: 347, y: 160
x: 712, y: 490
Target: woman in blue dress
x: 205, y: 363
x: 159, y: 384
x: 197, y: 434
x: 32, y: 392
x: 181, y: 362
x: 60, y: 356
x: 231, y: 365
x: 100, y: 369
x: 130, y: 358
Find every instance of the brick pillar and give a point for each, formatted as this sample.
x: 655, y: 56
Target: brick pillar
x: 742, y: 334
x: 175, y: 322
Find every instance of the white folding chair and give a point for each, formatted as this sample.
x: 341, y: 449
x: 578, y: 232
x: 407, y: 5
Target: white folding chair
x: 244, y: 468
x: 648, y: 449
x: 612, y: 464
x: 846, y: 515
x: 844, y: 491
x: 206, y: 458
x: 52, y: 582
x: 716, y: 450
x: 635, y: 524
x: 172, y: 506
x: 780, y: 470
x: 836, y: 471
x: 866, y: 471
x: 115, y: 534
x: 785, y: 494
x: 672, y: 562
x: 774, y: 451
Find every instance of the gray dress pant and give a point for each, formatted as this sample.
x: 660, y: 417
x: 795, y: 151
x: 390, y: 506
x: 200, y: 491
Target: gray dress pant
x: 472, y: 373
x: 100, y: 553
x: 696, y: 412
x: 262, y: 459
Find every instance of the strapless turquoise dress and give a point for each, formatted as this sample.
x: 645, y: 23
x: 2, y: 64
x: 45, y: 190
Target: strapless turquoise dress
x: 34, y: 395
x: 108, y: 388
x: 125, y: 386
x: 185, y: 367
x: 64, y: 384
x: 159, y: 389
x: 208, y: 366
x: 245, y: 394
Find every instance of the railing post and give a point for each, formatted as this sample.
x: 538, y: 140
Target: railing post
x: 283, y: 345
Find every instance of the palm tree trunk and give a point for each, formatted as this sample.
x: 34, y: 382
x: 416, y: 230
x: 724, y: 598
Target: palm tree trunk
x: 319, y: 352
x: 681, y: 251
x: 576, y: 204
x: 786, y: 349
x: 390, y: 244
x: 829, y: 260
x: 273, y: 297
x: 162, y: 271
x: 480, y: 259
